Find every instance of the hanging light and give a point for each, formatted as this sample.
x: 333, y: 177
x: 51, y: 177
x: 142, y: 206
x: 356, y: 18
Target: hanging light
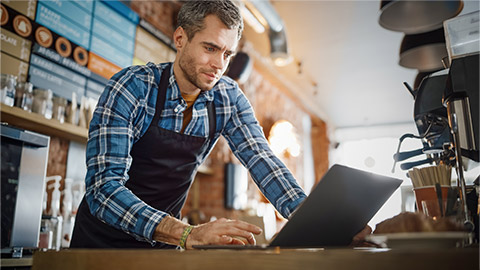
x: 413, y: 17
x: 279, y: 49
x: 424, y: 51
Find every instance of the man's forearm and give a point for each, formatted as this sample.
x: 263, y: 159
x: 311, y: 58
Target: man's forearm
x: 169, y: 230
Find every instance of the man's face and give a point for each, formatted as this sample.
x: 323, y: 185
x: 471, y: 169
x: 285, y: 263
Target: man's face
x: 204, y: 58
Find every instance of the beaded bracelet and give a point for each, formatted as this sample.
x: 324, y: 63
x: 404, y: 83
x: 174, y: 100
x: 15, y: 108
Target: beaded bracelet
x: 183, y: 239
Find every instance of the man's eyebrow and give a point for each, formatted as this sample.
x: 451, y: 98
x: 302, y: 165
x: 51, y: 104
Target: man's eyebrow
x: 217, y: 47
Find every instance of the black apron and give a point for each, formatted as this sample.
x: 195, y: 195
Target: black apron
x: 163, y: 167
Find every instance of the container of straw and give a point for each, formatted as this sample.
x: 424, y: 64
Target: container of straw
x: 427, y: 196
x: 424, y: 181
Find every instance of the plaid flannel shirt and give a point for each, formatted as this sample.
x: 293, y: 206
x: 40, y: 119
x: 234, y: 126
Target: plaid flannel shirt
x: 123, y: 114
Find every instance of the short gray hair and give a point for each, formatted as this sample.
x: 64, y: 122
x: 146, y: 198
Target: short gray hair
x: 192, y: 15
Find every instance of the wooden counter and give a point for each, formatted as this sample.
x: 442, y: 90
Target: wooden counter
x: 337, y: 259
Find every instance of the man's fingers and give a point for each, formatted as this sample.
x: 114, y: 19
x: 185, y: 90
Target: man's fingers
x: 251, y: 239
x: 232, y: 231
x: 236, y: 241
x: 225, y: 240
x: 242, y: 225
x: 362, y: 234
x: 224, y: 232
x: 229, y: 240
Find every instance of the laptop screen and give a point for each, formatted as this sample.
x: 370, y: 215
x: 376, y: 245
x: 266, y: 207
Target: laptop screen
x: 338, y: 208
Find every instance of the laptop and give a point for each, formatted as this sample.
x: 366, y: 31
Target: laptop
x: 338, y: 208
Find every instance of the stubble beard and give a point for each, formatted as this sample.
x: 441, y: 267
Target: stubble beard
x: 187, y: 65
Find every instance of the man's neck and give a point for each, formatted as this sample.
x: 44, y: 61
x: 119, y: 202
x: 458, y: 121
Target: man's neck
x: 183, y: 84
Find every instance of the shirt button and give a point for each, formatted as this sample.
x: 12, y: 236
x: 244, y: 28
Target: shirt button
x: 176, y: 110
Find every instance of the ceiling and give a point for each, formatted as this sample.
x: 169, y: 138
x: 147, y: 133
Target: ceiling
x: 352, y: 59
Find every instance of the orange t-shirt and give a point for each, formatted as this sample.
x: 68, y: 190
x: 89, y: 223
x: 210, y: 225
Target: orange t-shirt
x: 187, y: 114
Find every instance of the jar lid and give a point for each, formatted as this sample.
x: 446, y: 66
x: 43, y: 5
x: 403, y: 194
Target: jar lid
x: 8, y: 77
x: 59, y: 100
x: 46, y: 93
x: 25, y: 86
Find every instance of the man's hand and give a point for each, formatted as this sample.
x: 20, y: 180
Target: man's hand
x: 223, y: 232
x: 358, y: 239
x: 219, y: 232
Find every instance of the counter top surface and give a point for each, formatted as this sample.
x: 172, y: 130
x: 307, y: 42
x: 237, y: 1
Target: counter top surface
x: 338, y: 259
x: 14, y: 262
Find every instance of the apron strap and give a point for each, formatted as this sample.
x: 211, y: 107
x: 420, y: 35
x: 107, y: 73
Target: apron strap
x: 212, y: 119
x: 161, y: 94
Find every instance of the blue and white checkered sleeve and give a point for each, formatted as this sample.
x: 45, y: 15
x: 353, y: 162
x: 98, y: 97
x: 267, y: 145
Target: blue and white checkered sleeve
x: 248, y: 143
x: 111, y: 136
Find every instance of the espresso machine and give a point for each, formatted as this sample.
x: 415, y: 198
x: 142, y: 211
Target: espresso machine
x: 446, y: 114
x: 23, y: 168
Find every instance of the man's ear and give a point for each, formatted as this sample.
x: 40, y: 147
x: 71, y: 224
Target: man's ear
x: 180, y: 38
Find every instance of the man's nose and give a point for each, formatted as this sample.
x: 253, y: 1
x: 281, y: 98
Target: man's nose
x: 218, y: 61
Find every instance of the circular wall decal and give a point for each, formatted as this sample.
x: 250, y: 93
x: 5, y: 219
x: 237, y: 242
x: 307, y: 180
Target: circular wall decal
x: 63, y: 47
x: 5, y: 16
x: 80, y: 55
x: 22, y: 25
x: 44, y: 37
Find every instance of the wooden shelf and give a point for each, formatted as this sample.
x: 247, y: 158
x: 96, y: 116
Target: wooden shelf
x: 26, y: 262
x: 17, y: 117
x: 37, y: 123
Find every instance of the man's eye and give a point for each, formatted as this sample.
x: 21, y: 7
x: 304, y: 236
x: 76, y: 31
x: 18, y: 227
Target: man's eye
x: 210, y: 49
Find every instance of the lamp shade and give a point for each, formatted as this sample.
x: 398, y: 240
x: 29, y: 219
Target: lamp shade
x: 240, y: 67
x: 279, y: 48
x: 423, y: 51
x: 413, y: 17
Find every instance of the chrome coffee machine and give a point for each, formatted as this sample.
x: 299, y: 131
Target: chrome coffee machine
x: 446, y: 113
x: 446, y: 107
x: 24, y: 165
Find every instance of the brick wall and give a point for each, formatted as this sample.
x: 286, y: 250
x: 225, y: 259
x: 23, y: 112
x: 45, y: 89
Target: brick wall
x: 57, y: 162
x: 57, y: 157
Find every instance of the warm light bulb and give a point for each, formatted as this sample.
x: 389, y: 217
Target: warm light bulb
x: 283, y: 139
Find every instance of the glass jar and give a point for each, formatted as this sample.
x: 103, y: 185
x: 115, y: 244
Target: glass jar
x: 42, y: 102
x: 7, y: 91
x: 59, y: 107
x: 46, y: 235
x: 24, y: 96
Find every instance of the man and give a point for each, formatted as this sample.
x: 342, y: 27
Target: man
x: 152, y: 128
